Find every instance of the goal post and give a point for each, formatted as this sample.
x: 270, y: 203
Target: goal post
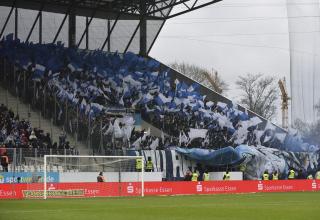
x: 93, y: 176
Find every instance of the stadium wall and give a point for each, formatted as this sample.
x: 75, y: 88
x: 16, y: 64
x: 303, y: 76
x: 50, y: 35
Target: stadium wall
x: 71, y: 177
x: 80, y: 190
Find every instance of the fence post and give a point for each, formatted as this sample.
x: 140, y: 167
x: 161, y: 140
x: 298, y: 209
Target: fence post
x: 40, y: 119
x: 29, y: 113
x: 34, y: 94
x: 55, y: 109
x: 18, y: 100
x: 101, y: 137
x: 77, y: 128
x: 66, y: 116
x: 7, y: 102
x: 44, y: 101
x: 24, y: 85
x: 14, y: 159
x: 51, y: 131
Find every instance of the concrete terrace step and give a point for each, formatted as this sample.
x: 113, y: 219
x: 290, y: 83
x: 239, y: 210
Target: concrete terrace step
x: 37, y: 121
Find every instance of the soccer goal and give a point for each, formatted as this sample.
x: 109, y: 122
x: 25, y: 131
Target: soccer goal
x: 93, y: 176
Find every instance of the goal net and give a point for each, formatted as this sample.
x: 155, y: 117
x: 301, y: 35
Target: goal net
x: 92, y: 176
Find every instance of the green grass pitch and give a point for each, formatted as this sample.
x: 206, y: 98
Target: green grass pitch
x: 282, y: 206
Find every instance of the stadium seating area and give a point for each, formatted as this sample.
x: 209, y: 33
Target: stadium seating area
x: 91, y: 82
x: 16, y: 133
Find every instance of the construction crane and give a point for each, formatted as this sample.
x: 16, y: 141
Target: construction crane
x: 213, y: 81
x: 285, y: 103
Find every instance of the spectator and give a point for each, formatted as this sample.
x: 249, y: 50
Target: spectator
x: 206, y: 176
x: 275, y: 175
x: 226, y: 176
x: 32, y: 136
x: 188, y: 176
x: 310, y: 177
x: 291, y: 174
x: 265, y: 175
x: 149, y: 167
x: 317, y: 176
x: 100, y: 178
x: 5, y: 162
x: 195, y: 175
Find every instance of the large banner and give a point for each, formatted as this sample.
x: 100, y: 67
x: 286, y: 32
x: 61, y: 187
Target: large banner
x: 28, y: 177
x: 74, y: 190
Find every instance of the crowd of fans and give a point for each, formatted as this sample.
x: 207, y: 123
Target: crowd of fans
x: 83, y: 85
x: 18, y: 133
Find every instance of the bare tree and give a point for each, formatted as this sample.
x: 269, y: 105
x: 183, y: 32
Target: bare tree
x: 203, y: 76
x: 259, y: 94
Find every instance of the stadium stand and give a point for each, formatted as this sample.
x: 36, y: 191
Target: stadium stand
x: 96, y: 95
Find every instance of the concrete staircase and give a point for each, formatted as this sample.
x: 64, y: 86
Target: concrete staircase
x: 37, y: 121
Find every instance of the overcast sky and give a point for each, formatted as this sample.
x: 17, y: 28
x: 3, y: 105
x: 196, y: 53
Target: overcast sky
x: 234, y: 37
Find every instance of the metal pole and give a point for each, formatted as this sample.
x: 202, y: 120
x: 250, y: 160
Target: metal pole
x: 34, y: 24
x: 44, y: 101
x: 87, y: 32
x: 7, y: 102
x: 4, y: 72
x: 143, y: 28
x: 45, y: 178
x: 16, y: 23
x: 14, y: 80
x: 60, y: 27
x: 18, y: 100
x: 77, y: 128
x: 24, y: 85
x: 40, y: 27
x: 101, y: 137
x: 55, y: 109
x: 40, y: 119
x: 132, y: 36
x: 109, y: 32
x: 142, y: 177
x: 89, y: 131
x: 34, y: 93
x: 14, y: 159
x: 29, y: 113
x: 72, y: 28
x: 51, y: 130
x: 66, y: 116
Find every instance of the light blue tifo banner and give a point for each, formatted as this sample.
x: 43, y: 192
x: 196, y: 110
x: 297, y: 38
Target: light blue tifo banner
x: 28, y: 177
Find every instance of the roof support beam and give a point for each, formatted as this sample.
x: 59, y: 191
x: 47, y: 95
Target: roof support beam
x: 143, y: 29
x: 106, y: 11
x: 7, y: 19
x: 88, y: 22
x: 131, y: 39
x: 34, y: 24
x: 40, y: 27
x: 194, y: 7
x: 110, y: 32
x: 72, y: 28
x: 60, y: 27
x: 16, y: 21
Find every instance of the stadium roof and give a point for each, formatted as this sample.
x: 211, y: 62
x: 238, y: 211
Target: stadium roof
x: 133, y: 25
x: 111, y: 9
